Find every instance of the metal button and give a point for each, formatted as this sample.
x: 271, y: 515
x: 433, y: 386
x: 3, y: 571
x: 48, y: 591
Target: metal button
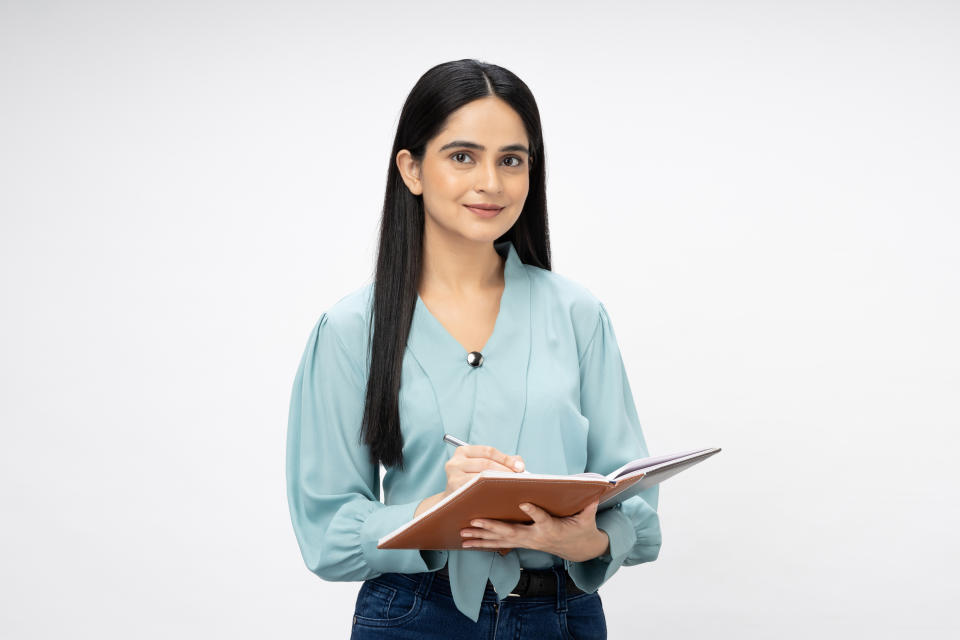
x: 475, y: 358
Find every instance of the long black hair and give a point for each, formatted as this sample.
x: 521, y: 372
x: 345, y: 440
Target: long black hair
x: 440, y: 91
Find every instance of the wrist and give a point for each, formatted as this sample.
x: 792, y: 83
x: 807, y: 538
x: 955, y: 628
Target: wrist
x: 426, y: 503
x: 604, y: 543
x: 593, y: 548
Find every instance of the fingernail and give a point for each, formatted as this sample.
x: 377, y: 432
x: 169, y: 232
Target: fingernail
x: 524, y: 507
x: 518, y: 465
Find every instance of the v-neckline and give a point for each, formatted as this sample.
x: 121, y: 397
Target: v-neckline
x: 498, y: 383
x: 501, y: 310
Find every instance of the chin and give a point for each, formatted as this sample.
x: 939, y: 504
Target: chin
x: 476, y: 229
x: 488, y: 234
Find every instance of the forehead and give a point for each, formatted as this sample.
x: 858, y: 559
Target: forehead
x: 488, y: 121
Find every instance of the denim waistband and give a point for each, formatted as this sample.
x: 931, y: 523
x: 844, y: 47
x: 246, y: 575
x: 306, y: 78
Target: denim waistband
x: 435, y: 582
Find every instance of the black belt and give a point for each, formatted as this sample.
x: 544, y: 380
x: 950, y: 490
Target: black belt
x: 535, y: 583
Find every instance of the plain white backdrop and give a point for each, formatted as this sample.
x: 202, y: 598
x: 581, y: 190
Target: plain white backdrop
x: 763, y: 194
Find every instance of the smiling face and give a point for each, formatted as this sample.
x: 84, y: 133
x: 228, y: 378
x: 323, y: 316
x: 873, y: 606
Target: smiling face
x: 480, y: 157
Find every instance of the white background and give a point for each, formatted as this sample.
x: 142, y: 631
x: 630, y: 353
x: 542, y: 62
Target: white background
x: 764, y: 195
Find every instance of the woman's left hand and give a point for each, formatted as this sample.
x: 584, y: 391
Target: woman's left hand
x: 575, y: 538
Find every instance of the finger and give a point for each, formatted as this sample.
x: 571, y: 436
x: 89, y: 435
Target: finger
x: 481, y: 451
x: 488, y: 544
x: 477, y: 533
x: 476, y: 465
x: 516, y: 463
x: 489, y: 539
x: 535, y: 512
x: 486, y: 451
x: 587, y: 514
x: 494, y: 528
x: 591, y: 509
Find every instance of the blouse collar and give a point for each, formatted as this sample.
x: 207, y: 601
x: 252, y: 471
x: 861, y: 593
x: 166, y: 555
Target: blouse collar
x: 501, y: 381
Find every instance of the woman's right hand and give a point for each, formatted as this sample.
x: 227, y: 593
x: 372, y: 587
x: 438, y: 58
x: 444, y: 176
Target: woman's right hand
x: 467, y: 461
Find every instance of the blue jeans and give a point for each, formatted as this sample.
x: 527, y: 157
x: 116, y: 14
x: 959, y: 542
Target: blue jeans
x: 420, y: 605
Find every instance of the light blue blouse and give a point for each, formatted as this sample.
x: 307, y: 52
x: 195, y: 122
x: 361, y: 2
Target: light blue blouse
x: 552, y: 388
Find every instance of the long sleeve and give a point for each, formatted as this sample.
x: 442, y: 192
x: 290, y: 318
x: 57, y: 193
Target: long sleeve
x: 333, y: 489
x: 614, y: 438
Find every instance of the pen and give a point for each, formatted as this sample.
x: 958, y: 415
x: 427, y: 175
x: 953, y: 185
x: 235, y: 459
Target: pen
x: 457, y: 442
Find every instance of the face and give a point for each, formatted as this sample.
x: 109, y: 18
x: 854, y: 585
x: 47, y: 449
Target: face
x: 480, y: 157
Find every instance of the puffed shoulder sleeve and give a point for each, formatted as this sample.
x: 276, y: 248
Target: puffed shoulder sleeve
x: 333, y: 489
x: 614, y: 438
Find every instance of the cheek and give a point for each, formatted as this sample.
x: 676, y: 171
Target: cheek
x: 520, y: 186
x: 517, y: 190
x: 446, y: 184
x: 517, y: 199
x: 442, y: 195
x: 507, y: 222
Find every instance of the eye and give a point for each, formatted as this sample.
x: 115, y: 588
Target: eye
x: 454, y: 156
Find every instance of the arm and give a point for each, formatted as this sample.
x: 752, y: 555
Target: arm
x: 333, y: 489
x: 615, y: 437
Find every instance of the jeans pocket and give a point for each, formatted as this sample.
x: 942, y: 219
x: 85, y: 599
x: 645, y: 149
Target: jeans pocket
x: 384, y: 605
x: 585, y: 619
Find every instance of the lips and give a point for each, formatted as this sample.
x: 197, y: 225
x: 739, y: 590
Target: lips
x: 484, y: 210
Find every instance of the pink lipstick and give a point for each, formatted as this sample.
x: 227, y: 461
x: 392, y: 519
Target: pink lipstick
x: 484, y: 210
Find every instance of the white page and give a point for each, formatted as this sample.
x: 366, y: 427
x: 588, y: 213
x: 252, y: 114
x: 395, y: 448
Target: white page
x: 657, y: 474
x: 644, y: 463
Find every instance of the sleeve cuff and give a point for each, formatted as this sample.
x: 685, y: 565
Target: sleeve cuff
x: 381, y: 522
x: 590, y: 574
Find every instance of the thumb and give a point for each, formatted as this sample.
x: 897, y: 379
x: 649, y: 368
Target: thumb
x: 535, y: 512
x: 589, y: 512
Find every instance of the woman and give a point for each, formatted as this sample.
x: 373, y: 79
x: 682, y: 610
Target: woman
x: 465, y: 330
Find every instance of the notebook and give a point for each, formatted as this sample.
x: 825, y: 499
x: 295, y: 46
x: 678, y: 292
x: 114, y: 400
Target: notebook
x: 496, y: 494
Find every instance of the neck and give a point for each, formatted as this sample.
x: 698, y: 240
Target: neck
x: 458, y: 267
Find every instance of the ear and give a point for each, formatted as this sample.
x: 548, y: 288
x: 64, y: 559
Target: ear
x: 409, y: 171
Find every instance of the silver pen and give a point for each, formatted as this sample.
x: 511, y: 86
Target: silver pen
x: 457, y: 442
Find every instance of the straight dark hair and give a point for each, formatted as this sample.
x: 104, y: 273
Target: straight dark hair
x: 440, y: 91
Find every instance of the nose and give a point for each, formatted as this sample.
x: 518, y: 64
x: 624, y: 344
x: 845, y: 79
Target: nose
x: 489, y: 179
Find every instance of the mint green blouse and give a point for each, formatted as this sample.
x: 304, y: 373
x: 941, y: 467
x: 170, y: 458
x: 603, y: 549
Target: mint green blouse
x: 552, y: 388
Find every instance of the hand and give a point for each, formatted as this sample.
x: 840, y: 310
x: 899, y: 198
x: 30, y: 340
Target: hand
x: 469, y: 460
x: 575, y: 538
x: 466, y: 462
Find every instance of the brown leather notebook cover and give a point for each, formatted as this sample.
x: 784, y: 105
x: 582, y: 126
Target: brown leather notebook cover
x: 498, y: 498
x: 496, y: 495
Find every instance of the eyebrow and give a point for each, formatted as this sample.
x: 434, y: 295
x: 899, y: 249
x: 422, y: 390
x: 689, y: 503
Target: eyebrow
x: 480, y: 147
